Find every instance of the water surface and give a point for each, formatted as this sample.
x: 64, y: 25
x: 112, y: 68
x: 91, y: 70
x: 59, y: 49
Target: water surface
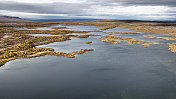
x: 112, y: 71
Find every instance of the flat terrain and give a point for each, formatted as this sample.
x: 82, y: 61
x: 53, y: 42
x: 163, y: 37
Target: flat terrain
x: 17, y: 43
x: 111, y: 59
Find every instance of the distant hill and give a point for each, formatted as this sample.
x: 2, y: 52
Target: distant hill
x: 12, y: 19
x: 64, y: 20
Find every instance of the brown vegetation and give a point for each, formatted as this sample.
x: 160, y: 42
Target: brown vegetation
x: 81, y: 51
x: 130, y: 41
x: 88, y: 42
x: 166, y: 38
x: 114, y: 37
x: 172, y: 47
x: 111, y: 41
x: 145, y: 43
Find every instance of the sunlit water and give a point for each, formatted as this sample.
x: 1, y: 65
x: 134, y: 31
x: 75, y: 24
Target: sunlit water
x: 112, y: 71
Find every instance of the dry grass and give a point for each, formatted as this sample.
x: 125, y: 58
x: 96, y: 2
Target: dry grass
x: 166, y: 38
x: 114, y: 37
x: 81, y: 51
x: 10, y: 55
x: 172, y: 47
x: 111, y: 41
x: 145, y: 43
x: 130, y: 41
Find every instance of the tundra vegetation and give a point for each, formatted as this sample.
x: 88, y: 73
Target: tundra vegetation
x: 16, y: 43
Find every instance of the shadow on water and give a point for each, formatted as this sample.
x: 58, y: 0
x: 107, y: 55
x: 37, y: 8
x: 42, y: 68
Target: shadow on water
x: 112, y: 71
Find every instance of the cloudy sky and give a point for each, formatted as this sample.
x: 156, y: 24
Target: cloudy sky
x: 104, y: 9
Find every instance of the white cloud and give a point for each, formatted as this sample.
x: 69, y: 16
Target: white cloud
x: 130, y: 10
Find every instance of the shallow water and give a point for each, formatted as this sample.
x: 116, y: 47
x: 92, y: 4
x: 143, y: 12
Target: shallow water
x: 82, y: 28
x: 112, y: 71
x: 43, y: 35
x: 46, y: 28
x: 73, y: 28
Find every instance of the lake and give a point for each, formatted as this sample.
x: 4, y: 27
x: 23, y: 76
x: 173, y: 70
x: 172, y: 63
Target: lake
x: 111, y: 71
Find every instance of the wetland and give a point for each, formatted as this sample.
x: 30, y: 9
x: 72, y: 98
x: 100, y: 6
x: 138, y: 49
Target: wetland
x: 88, y: 60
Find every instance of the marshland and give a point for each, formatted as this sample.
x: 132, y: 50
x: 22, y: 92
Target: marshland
x: 107, y: 59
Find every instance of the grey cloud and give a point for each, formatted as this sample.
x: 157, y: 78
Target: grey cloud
x: 44, y: 8
x: 82, y: 9
x: 77, y: 8
x: 171, y: 3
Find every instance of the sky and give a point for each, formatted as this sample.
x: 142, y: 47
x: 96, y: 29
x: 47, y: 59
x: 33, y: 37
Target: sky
x: 90, y: 9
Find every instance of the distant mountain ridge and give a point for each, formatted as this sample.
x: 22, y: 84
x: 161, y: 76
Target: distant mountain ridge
x: 11, y: 19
